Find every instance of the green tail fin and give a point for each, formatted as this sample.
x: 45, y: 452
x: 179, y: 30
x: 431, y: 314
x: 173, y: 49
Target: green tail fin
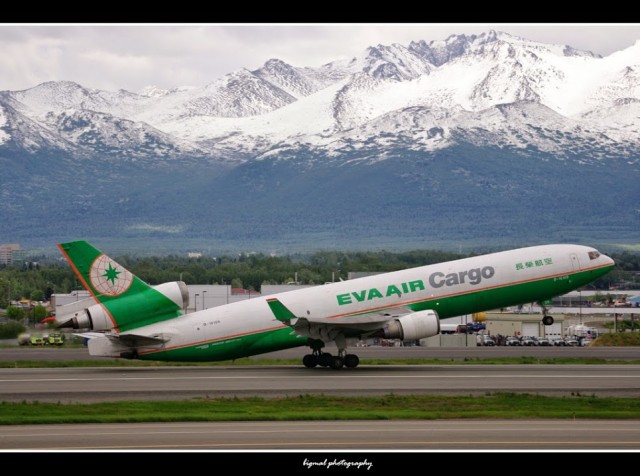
x: 129, y: 301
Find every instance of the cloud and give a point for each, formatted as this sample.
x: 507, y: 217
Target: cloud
x: 133, y: 56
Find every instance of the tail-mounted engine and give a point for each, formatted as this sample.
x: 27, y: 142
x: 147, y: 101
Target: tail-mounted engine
x: 96, y: 318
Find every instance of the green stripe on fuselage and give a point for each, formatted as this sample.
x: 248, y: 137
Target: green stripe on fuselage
x: 509, y: 295
x: 232, y: 347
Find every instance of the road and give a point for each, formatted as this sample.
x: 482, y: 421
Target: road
x: 162, y: 383
x: 446, y: 353
x: 174, y: 383
x: 330, y: 435
x: 170, y: 383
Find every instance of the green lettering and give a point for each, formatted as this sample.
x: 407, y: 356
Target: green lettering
x: 393, y: 289
x: 343, y: 299
x: 415, y: 285
x: 359, y: 296
x: 374, y: 293
x: 404, y: 287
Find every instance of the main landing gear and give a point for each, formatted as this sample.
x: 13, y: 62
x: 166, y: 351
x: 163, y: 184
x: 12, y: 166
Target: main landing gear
x: 546, y: 319
x: 325, y: 359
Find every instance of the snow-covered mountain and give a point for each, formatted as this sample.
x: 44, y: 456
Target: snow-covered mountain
x: 254, y: 110
x: 495, y: 92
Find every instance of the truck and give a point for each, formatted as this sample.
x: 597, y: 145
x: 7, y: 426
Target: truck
x: 453, y: 329
x: 36, y: 339
x: 582, y: 331
x: 583, y: 334
x: 55, y: 339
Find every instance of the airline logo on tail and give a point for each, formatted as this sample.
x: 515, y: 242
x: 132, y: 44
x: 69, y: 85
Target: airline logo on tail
x: 125, y: 301
x: 108, y: 277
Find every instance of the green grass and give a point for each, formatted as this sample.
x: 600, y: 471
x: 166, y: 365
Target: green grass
x: 619, y: 339
x: 320, y: 407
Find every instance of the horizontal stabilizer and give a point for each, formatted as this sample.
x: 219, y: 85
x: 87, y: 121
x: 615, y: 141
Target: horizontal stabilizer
x: 134, y: 340
x: 89, y: 335
x: 127, y: 340
x: 282, y: 313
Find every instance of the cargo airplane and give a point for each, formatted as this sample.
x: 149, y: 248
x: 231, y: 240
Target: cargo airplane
x: 134, y: 320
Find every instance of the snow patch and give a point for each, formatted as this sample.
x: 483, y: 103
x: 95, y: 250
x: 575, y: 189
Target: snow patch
x: 4, y: 136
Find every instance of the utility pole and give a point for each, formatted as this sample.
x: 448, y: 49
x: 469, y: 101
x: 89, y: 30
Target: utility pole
x: 580, y: 292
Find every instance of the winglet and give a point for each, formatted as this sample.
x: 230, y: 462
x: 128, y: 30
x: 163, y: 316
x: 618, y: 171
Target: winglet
x: 282, y: 313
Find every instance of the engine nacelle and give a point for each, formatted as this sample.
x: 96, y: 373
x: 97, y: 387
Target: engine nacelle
x: 177, y: 291
x: 414, y: 326
x: 93, y: 318
x: 96, y: 318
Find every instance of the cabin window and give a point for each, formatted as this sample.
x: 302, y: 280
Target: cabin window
x: 593, y: 254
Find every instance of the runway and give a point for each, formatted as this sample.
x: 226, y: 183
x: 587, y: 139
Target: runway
x: 330, y: 435
x: 97, y: 384
x: 443, y: 353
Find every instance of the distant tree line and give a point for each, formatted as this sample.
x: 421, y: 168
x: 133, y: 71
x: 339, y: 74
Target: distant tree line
x: 250, y: 271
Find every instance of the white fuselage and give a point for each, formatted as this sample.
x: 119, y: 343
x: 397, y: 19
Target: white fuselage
x: 435, y: 283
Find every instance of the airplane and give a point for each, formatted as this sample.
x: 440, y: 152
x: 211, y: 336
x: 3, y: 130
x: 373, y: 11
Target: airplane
x: 133, y: 320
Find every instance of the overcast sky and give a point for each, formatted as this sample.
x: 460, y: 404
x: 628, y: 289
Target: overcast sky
x: 133, y: 56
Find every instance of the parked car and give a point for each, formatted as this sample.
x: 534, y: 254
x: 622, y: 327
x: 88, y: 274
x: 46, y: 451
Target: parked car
x: 528, y: 341
x: 513, y: 341
x: 585, y: 341
x: 571, y: 341
x: 543, y: 341
x: 558, y: 342
x: 487, y: 340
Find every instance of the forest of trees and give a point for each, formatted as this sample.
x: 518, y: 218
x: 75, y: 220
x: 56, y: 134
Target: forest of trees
x: 38, y: 280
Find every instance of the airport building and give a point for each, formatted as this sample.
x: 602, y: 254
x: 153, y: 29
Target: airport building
x: 11, y: 254
x: 521, y: 325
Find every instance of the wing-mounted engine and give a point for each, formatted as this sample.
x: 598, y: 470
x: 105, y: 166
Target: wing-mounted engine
x: 414, y: 326
x: 145, y: 310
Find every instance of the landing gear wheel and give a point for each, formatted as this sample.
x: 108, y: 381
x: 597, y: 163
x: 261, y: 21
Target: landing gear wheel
x: 337, y: 362
x: 351, y: 361
x: 547, y: 320
x: 324, y: 359
x: 310, y: 361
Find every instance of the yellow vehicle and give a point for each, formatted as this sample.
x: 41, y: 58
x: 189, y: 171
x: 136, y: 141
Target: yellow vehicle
x: 55, y: 339
x: 36, y: 340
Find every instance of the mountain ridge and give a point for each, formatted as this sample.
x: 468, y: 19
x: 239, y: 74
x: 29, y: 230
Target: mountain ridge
x: 180, y: 162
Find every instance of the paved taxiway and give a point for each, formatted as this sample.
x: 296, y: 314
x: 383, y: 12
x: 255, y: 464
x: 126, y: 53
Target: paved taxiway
x: 109, y: 384
x: 330, y: 435
x: 444, y: 353
x: 173, y: 383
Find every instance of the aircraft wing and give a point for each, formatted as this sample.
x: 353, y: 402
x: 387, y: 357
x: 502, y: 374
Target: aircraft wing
x: 349, y: 326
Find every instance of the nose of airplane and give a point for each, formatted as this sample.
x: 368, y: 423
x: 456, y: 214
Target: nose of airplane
x: 607, y: 260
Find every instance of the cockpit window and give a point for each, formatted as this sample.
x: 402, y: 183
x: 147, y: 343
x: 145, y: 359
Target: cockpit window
x: 593, y: 254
